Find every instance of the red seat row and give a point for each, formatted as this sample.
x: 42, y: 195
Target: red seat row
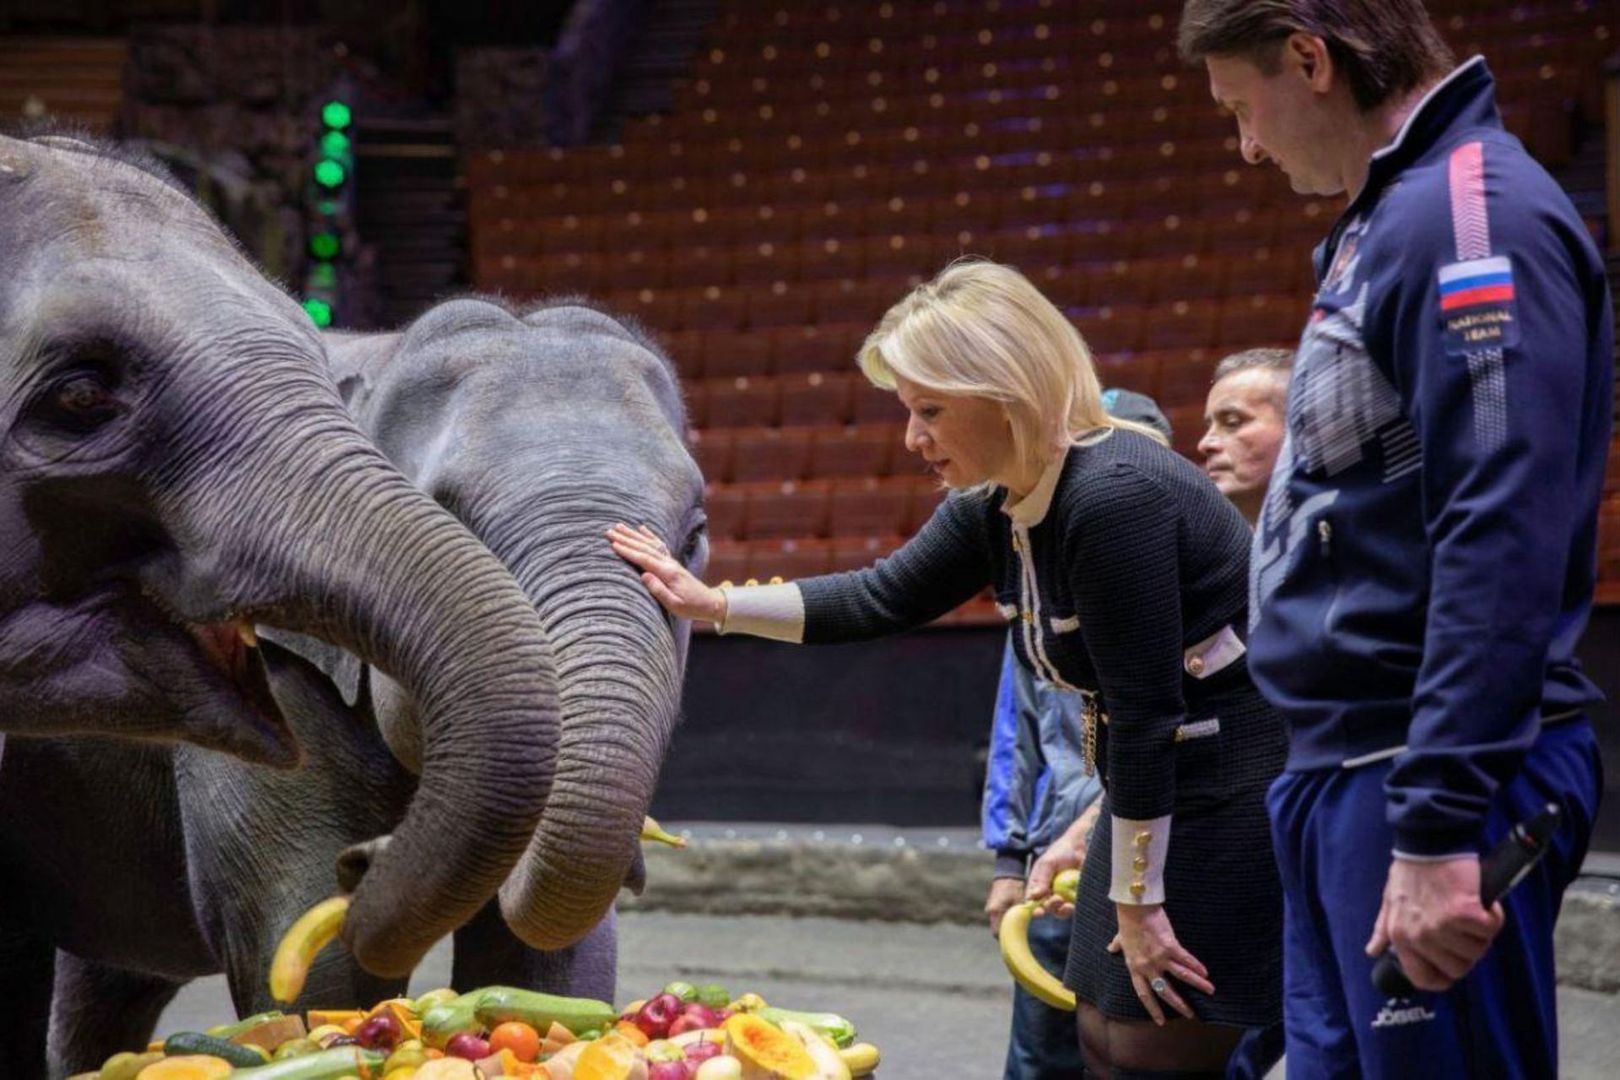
x: 867, y: 506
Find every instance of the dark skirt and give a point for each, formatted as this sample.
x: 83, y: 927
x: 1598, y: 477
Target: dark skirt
x: 1222, y: 892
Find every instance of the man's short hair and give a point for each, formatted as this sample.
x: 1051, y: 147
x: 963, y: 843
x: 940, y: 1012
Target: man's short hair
x: 1384, y: 47
x: 1278, y: 361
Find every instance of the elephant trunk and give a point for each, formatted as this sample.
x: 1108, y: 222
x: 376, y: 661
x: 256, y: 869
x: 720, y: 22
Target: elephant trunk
x: 334, y: 542
x: 619, y: 682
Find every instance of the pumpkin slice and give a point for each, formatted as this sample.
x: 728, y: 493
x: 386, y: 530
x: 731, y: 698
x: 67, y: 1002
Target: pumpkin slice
x: 612, y: 1057
x: 766, y: 1051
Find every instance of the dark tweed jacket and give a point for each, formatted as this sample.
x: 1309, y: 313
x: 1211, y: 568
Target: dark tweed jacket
x: 1136, y: 558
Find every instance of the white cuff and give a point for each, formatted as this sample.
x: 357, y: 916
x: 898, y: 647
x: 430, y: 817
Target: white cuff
x: 767, y: 611
x: 1140, y: 848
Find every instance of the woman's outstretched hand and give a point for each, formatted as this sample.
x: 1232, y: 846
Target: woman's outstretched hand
x: 671, y: 584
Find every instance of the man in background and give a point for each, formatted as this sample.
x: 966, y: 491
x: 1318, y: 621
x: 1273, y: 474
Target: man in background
x: 1243, y: 418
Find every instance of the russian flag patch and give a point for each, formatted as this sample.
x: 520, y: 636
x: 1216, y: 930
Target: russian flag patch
x: 1477, y: 305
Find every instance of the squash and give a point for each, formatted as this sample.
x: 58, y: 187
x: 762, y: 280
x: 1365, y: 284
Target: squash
x: 766, y: 1051
x: 829, y: 1066
x: 187, y: 1067
x: 612, y: 1057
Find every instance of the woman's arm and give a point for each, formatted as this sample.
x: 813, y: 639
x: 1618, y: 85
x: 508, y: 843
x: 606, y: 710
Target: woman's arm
x: 945, y: 564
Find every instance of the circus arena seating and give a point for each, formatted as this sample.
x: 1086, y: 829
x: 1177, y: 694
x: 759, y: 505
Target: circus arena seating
x: 824, y: 157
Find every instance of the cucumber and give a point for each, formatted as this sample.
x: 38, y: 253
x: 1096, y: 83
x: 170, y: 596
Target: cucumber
x: 327, y: 1065
x: 499, y: 1004
x: 194, y: 1042
x: 832, y: 1025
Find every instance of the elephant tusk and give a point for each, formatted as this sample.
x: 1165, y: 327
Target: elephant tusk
x: 651, y: 830
x: 245, y: 632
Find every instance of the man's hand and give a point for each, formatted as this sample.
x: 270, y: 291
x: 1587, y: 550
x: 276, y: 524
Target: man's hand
x: 1004, y: 893
x: 1067, y: 852
x: 1433, y: 918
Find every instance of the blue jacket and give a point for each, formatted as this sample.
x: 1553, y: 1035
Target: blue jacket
x: 1034, y: 784
x: 1426, y: 557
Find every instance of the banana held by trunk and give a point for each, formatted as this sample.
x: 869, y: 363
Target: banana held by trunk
x: 302, y: 943
x: 651, y: 830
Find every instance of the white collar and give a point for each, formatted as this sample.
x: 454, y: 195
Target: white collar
x: 1030, y: 510
x: 1423, y: 103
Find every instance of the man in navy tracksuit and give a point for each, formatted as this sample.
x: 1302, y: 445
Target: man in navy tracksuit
x: 1425, y: 561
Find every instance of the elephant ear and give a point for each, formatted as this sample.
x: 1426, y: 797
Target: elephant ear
x: 341, y: 666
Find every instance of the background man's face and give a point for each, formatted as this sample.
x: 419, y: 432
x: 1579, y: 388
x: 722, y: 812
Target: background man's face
x: 1280, y: 119
x: 1244, y: 418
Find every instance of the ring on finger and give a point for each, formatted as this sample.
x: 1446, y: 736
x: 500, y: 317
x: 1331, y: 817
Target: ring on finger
x: 1159, y: 986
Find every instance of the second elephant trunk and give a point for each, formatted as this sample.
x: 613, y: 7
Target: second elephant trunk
x: 374, y: 565
x: 619, y: 682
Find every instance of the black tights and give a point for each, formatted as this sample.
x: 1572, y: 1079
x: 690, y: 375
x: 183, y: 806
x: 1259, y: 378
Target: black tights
x: 1130, y: 1049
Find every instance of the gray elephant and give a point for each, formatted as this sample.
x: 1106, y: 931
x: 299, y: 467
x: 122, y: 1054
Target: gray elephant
x: 539, y: 432
x: 177, y: 467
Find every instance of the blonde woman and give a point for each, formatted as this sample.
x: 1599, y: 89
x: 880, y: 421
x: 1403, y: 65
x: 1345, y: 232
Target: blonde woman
x: 1125, y: 572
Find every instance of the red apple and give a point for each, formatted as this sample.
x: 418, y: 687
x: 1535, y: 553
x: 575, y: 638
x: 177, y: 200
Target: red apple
x: 378, y: 1033
x: 655, y: 1017
x: 467, y: 1046
x: 703, y: 1050
x: 669, y: 1070
x: 684, y: 1023
x: 705, y: 1016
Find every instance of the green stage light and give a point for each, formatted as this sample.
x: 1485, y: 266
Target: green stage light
x: 324, y: 245
x: 329, y: 173
x: 320, y: 312
x: 322, y: 276
x: 334, y: 144
x: 336, y: 115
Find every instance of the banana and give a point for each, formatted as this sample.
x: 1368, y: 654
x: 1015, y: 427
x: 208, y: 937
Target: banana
x: 1021, y: 962
x: 299, y: 946
x: 651, y: 830
x: 862, y: 1059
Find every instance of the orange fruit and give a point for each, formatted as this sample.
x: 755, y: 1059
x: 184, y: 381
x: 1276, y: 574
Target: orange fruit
x: 518, y: 1037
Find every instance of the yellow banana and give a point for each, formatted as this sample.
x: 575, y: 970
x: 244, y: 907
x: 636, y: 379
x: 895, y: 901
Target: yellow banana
x: 651, y: 830
x: 862, y: 1059
x: 1021, y: 962
x: 299, y: 946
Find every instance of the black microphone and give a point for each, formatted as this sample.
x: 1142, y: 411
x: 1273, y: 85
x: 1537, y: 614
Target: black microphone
x: 1512, y: 858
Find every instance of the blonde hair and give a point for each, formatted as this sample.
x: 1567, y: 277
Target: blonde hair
x: 981, y: 329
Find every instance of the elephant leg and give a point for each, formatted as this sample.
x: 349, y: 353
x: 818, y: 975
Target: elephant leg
x: 487, y: 954
x: 27, y: 964
x: 97, y: 1010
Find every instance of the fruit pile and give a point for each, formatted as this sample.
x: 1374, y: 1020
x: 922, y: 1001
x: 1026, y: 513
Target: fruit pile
x: 682, y: 1033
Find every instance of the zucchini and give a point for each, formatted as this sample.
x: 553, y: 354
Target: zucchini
x: 194, y: 1042
x: 498, y: 1004
x: 832, y: 1025
x: 327, y: 1065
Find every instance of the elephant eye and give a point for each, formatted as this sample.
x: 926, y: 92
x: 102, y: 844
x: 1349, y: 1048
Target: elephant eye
x: 82, y: 402
x: 694, y: 541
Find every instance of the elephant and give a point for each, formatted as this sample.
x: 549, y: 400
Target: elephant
x: 179, y: 468
x: 538, y: 430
